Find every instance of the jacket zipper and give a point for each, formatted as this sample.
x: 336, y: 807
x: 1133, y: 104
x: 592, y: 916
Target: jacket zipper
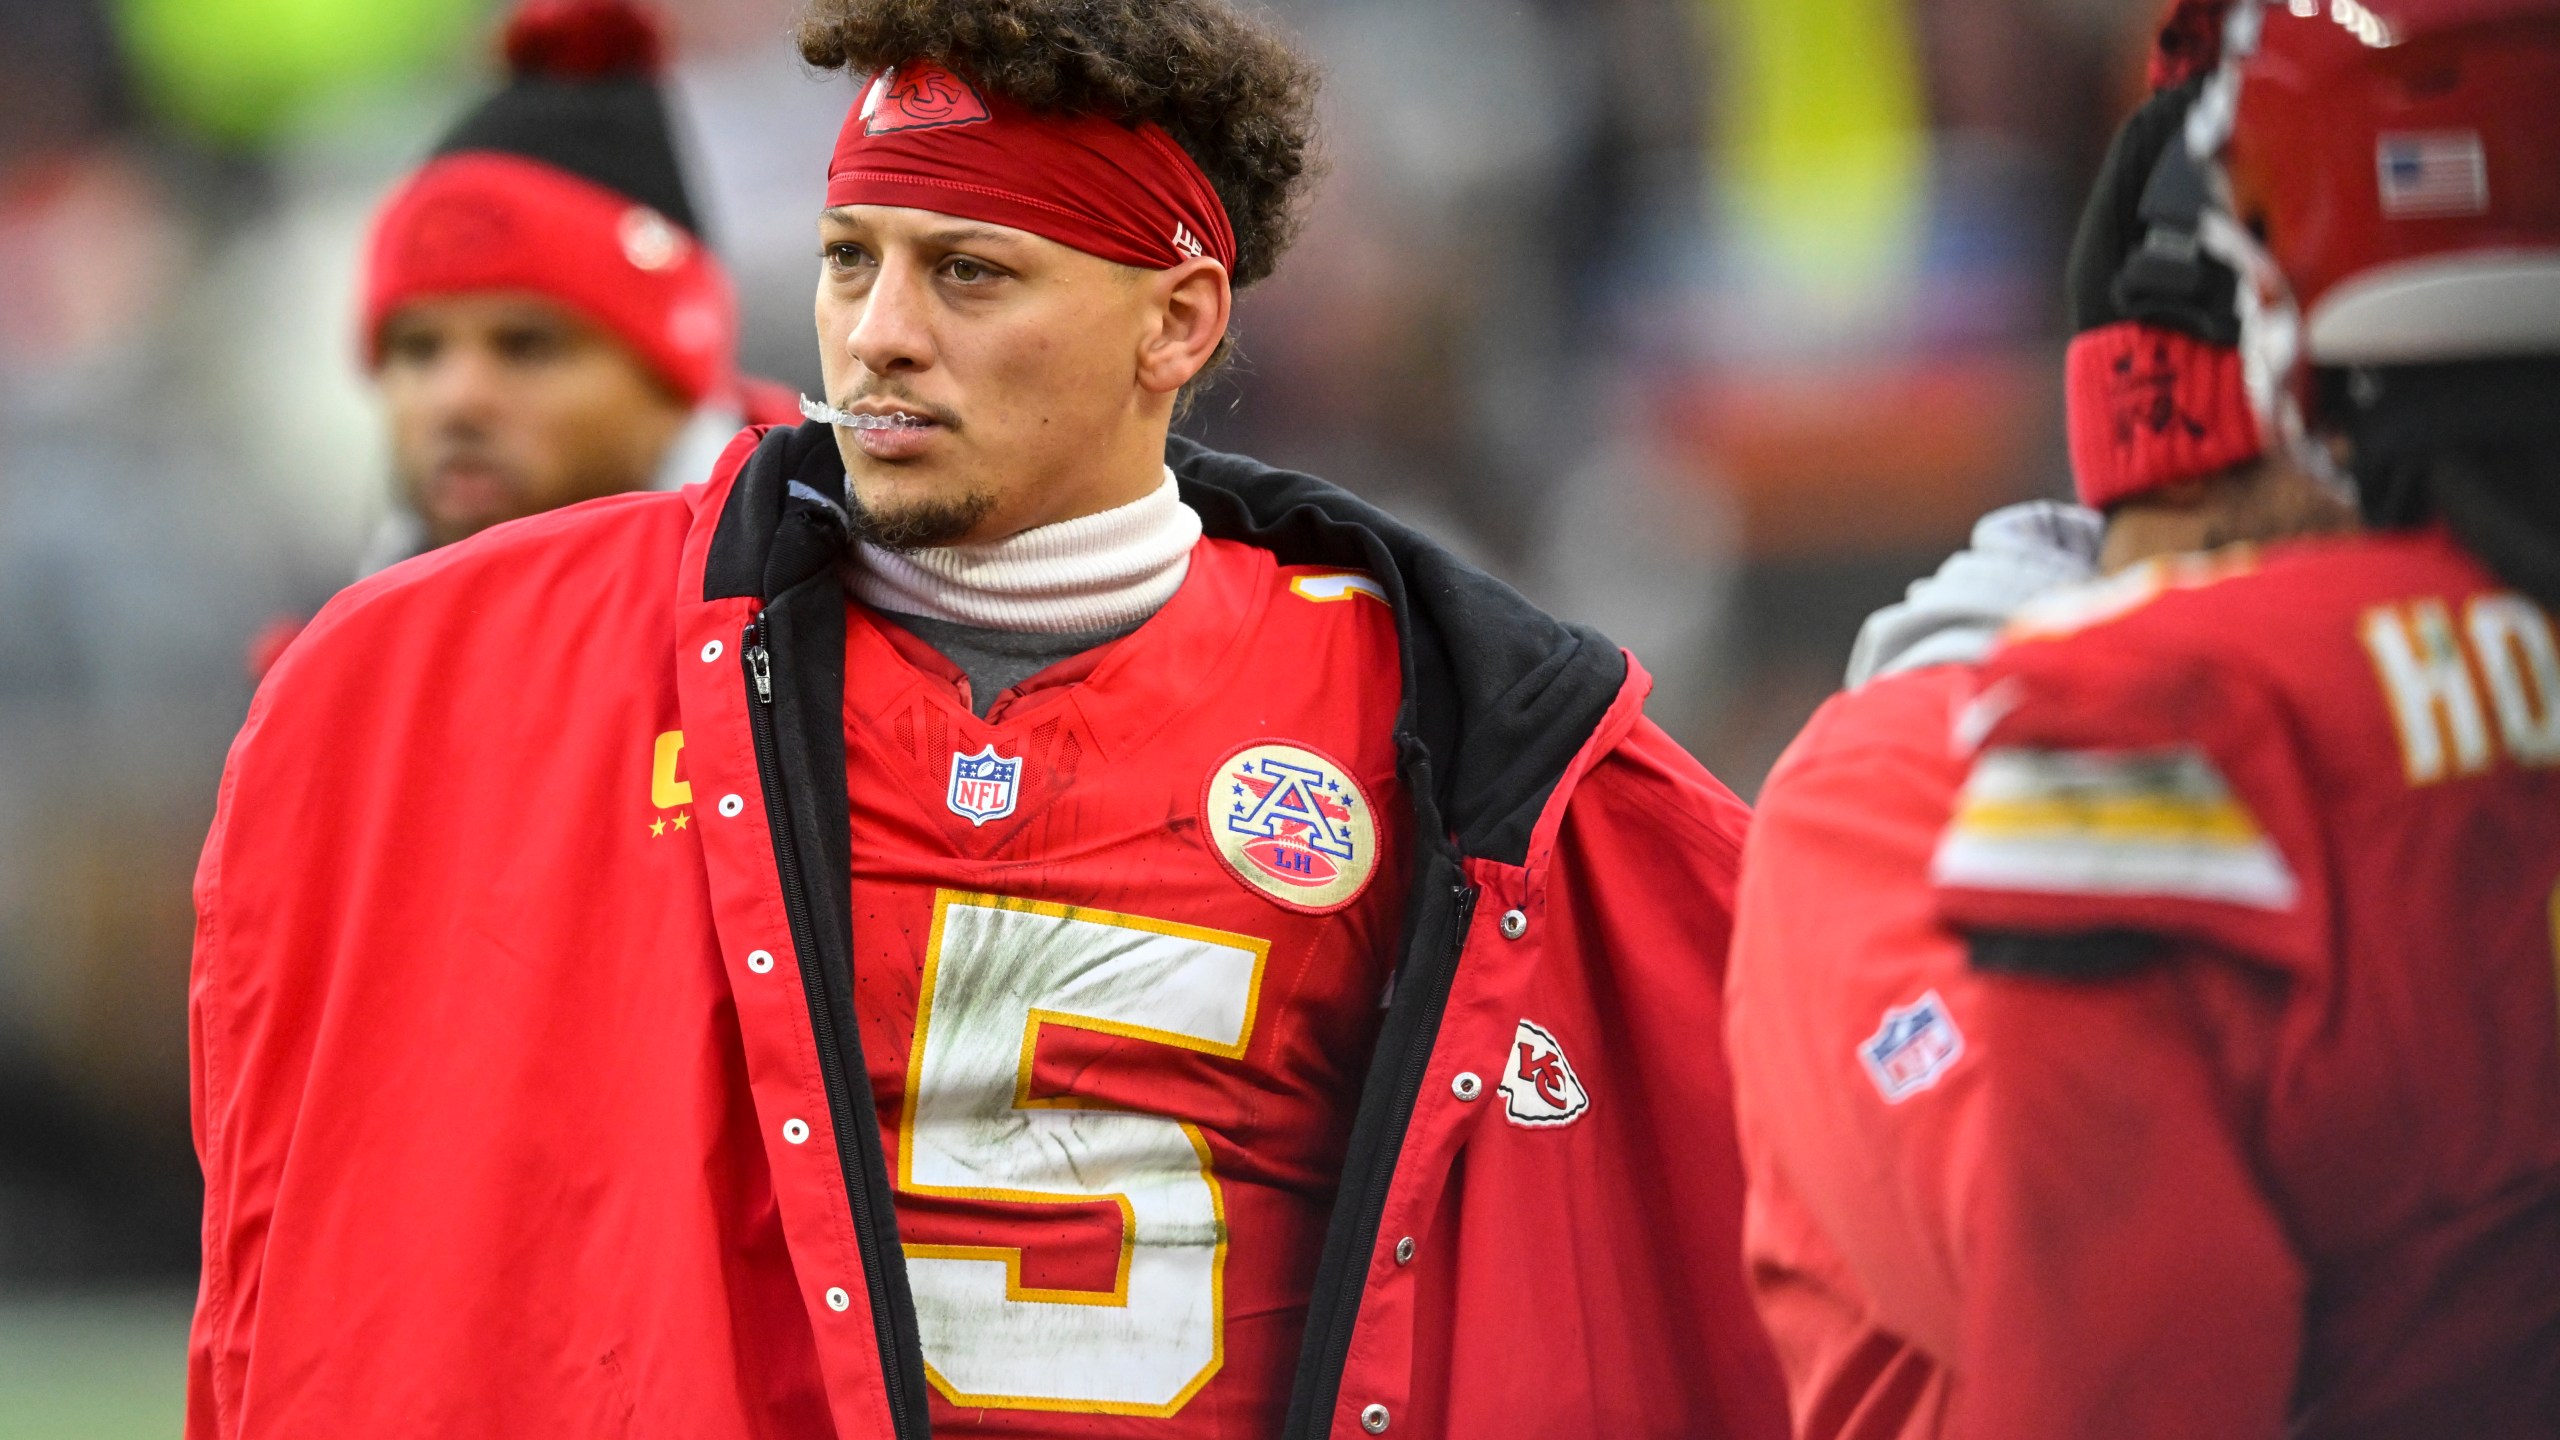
x: 1372, y: 1201
x: 822, y: 1020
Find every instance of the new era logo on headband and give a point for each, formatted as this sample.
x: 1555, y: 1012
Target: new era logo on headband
x: 919, y: 97
x: 1186, y: 242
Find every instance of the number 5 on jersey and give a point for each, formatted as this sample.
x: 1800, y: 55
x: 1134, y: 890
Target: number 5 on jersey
x: 997, y: 970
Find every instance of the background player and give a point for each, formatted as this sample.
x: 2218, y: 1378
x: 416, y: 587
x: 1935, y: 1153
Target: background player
x: 1850, y: 1072
x: 541, y: 315
x: 957, y: 924
x: 2256, y: 862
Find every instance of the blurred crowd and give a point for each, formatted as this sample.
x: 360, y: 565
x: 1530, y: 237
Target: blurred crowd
x: 1708, y: 322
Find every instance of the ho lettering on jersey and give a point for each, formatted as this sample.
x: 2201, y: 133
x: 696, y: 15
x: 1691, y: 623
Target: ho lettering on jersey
x: 1293, y: 825
x: 1539, y: 1089
x: 2432, y: 672
x: 1916, y: 1045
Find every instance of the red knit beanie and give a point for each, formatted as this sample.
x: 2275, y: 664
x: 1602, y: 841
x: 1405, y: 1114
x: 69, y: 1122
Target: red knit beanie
x: 565, y: 184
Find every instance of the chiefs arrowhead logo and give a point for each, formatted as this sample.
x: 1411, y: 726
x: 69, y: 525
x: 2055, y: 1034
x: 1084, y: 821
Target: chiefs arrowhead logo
x: 1539, y: 1088
x: 921, y: 96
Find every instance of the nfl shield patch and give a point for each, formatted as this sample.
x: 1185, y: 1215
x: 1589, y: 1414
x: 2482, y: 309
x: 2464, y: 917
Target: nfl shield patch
x: 984, y: 785
x: 1914, y: 1046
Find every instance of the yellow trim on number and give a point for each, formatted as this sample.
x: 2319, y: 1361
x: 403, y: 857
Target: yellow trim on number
x: 1014, y: 1290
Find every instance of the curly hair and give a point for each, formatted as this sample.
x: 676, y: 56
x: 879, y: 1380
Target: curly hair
x: 1229, y: 90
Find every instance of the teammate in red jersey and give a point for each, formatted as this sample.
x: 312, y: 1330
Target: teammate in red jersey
x: 977, y: 917
x: 1852, y: 1080
x: 2259, y: 861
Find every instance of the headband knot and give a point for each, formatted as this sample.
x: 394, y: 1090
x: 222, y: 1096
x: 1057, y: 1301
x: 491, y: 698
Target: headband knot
x: 923, y: 138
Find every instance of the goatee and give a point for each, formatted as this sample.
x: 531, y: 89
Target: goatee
x: 919, y: 524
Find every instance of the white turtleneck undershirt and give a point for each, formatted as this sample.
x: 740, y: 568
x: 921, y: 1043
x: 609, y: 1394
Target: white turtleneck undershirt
x: 1102, y: 572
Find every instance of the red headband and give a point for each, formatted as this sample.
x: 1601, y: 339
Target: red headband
x: 923, y: 139
x: 482, y: 220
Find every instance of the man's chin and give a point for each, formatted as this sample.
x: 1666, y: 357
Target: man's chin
x: 459, y: 506
x: 895, y: 512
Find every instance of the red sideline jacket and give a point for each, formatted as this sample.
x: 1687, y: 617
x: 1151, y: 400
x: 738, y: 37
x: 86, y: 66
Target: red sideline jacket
x: 491, y: 1098
x: 1855, y: 1119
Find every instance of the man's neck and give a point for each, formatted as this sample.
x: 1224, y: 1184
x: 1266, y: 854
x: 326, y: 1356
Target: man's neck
x: 1099, y: 571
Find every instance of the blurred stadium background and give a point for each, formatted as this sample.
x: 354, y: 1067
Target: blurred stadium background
x: 1711, y: 322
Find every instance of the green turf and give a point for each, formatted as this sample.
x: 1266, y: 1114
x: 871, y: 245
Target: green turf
x: 93, y: 1366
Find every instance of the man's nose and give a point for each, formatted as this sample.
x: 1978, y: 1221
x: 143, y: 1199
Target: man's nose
x: 891, y: 334
x: 464, y: 385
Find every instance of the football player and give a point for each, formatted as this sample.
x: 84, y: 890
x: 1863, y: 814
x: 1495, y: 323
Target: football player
x: 1851, y: 1071
x: 976, y: 918
x: 540, y: 315
x: 2258, y: 860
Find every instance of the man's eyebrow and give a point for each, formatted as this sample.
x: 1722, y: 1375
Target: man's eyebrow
x: 956, y: 235
x: 968, y: 235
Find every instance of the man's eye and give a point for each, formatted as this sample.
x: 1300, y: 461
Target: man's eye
x: 528, y: 346
x: 968, y: 271
x: 409, y: 349
x: 845, y: 256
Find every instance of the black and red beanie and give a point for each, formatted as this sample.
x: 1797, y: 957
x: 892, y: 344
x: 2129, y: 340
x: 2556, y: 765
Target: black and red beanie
x: 566, y: 183
x: 2153, y: 388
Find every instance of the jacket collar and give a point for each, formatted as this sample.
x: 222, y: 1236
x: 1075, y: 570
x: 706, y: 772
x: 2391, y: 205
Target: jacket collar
x: 1499, y: 697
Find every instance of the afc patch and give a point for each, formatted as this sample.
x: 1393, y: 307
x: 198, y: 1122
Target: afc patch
x: 1292, y: 825
x: 984, y: 786
x: 1539, y: 1089
x: 1912, y: 1048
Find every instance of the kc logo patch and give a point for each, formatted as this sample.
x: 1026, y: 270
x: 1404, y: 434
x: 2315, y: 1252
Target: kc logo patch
x: 1539, y: 1088
x: 984, y: 786
x: 919, y: 97
x: 1912, y: 1048
x: 1293, y: 825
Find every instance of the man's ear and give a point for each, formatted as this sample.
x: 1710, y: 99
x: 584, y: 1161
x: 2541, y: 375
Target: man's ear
x: 1191, y: 301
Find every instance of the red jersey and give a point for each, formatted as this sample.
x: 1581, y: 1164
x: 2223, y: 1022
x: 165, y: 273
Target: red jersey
x: 2286, y: 1161
x: 1850, y: 1081
x: 1120, y: 954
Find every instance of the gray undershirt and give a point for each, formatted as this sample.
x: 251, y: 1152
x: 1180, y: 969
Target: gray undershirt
x: 997, y: 660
